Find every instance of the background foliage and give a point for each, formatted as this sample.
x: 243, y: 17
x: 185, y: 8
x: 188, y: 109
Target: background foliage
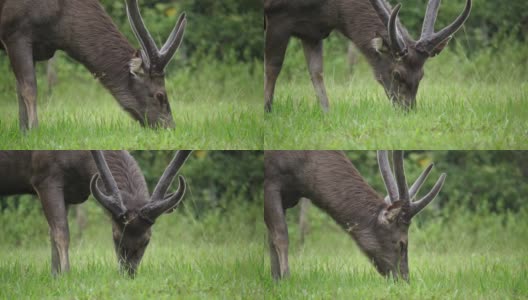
x: 488, y: 21
x: 221, y: 185
x: 229, y: 184
x: 224, y: 30
x: 214, y: 84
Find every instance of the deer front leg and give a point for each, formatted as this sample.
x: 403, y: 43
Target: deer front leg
x: 56, y: 212
x: 313, y: 52
x: 275, y: 219
x: 275, y: 49
x: 20, y: 54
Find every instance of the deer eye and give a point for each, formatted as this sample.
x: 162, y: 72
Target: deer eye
x: 160, y: 97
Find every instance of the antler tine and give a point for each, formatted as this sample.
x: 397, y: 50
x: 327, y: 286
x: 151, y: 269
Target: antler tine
x: 399, y: 172
x: 173, y: 42
x: 430, y: 18
x: 154, y: 209
x: 389, y: 19
x: 112, y: 202
x: 386, y: 174
x: 142, y: 34
x: 166, y: 179
x: 419, y: 181
x: 431, y: 40
x: 396, y: 43
x: 160, y: 202
x: 417, y: 206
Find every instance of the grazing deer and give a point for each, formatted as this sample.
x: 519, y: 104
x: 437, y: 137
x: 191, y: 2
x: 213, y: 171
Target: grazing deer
x: 32, y: 30
x: 378, y: 225
x: 397, y: 59
x: 61, y: 178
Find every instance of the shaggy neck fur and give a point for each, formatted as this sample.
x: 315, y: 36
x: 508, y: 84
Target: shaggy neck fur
x: 344, y: 194
x: 129, y: 179
x: 94, y: 40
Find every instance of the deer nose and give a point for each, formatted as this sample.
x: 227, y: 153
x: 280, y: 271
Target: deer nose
x: 167, y: 123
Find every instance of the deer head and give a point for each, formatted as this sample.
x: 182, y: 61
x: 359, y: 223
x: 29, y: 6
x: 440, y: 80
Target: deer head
x: 131, y: 226
x: 147, y: 71
x: 386, y: 242
x: 400, y: 59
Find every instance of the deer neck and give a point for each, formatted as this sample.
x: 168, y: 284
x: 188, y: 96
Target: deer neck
x: 348, y: 199
x: 94, y: 40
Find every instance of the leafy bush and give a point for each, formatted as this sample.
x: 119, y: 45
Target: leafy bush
x: 493, y: 181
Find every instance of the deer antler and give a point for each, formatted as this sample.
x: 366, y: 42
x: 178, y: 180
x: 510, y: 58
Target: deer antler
x: 112, y: 202
x: 388, y: 178
x: 429, y: 40
x: 161, y: 202
x: 399, y: 172
x: 154, y: 59
x: 417, y: 206
x: 397, y: 44
x: 397, y: 186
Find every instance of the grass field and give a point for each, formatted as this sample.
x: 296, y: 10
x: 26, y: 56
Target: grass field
x: 215, y: 107
x: 453, y: 256
x: 462, y: 256
x: 213, y: 258
x: 477, y: 102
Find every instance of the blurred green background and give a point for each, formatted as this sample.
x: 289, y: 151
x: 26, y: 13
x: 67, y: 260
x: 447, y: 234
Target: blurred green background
x: 210, y: 247
x: 469, y: 243
x: 473, y: 94
x: 227, y: 184
x: 214, y: 84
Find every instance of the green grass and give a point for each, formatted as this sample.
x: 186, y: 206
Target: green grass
x: 215, y: 107
x: 462, y: 256
x: 212, y: 258
x: 463, y: 103
x: 168, y: 272
x: 224, y: 256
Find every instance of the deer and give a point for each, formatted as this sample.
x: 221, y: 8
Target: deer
x: 397, y: 60
x: 33, y: 30
x: 379, y: 225
x: 63, y: 178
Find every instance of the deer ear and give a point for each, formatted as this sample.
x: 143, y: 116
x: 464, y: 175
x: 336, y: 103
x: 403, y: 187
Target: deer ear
x: 379, y: 45
x: 439, y: 47
x: 389, y: 214
x: 135, y: 64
